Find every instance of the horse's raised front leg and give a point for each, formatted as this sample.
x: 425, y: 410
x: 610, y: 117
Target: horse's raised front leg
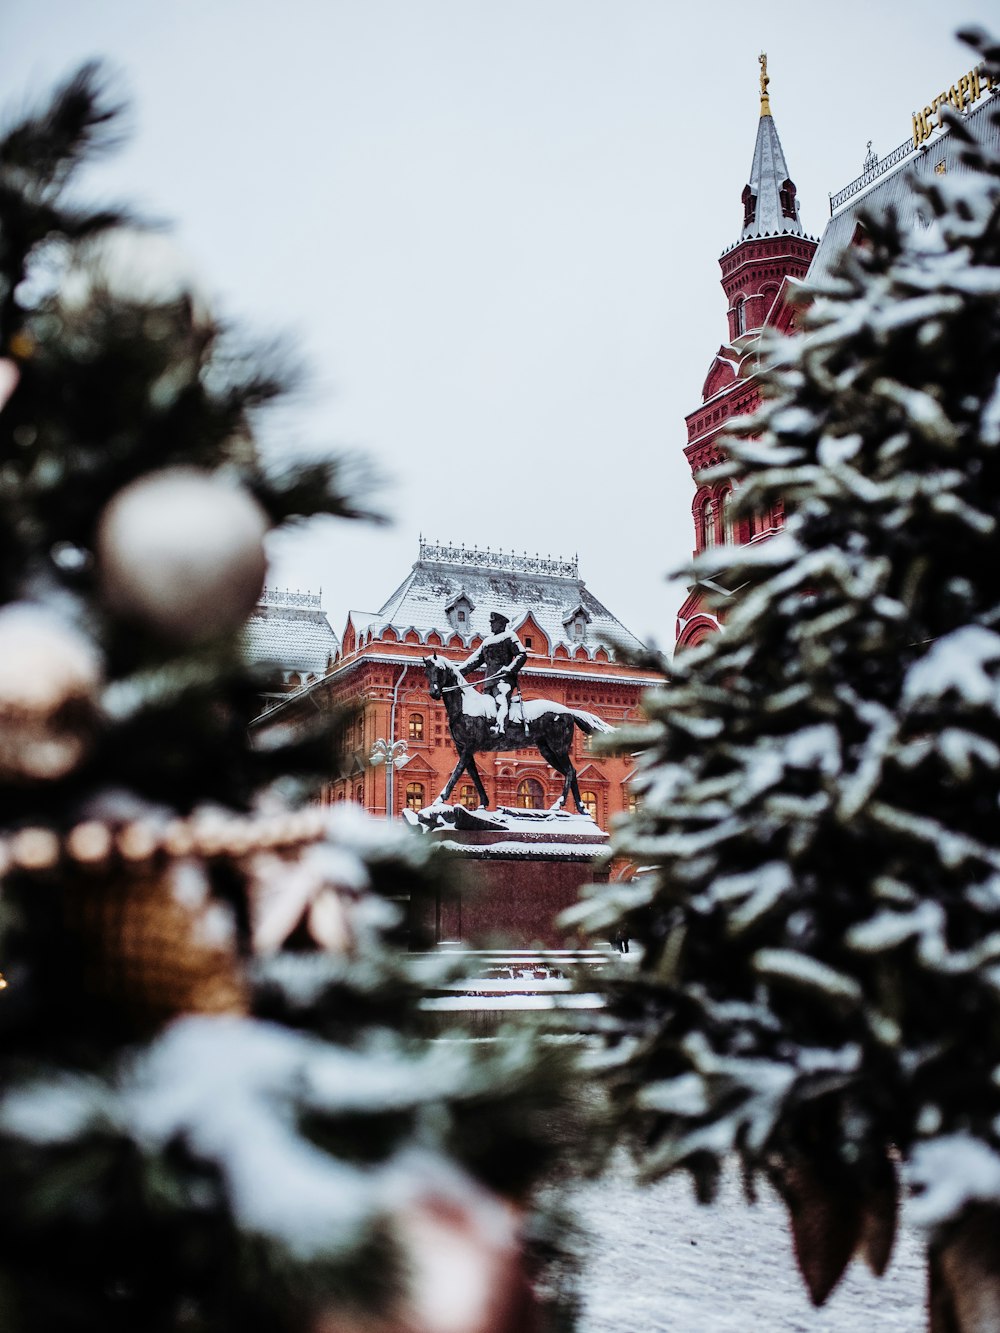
x: 473, y: 772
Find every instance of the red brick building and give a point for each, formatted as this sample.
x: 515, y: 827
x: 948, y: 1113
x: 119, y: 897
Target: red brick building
x: 443, y: 606
x: 771, y: 255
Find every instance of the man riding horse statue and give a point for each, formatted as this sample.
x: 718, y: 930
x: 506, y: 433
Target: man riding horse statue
x: 503, y: 655
x: 484, y: 722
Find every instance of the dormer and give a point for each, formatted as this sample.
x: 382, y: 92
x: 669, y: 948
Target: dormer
x: 459, y: 612
x: 576, y: 621
x: 749, y: 207
x: 786, y: 197
x: 531, y: 634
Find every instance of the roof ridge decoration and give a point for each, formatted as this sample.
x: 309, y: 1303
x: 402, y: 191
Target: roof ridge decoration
x: 431, y: 553
x: 285, y: 597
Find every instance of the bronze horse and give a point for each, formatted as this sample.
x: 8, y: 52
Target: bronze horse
x: 539, y: 722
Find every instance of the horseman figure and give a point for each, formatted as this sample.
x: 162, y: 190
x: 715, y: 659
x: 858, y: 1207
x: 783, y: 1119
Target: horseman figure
x: 470, y: 716
x: 502, y: 655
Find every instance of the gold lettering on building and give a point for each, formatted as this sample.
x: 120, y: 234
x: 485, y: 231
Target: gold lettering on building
x: 965, y: 93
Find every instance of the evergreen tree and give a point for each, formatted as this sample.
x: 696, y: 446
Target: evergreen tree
x: 199, y: 1127
x: 820, y: 985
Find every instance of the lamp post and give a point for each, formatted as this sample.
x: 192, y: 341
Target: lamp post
x: 393, y: 756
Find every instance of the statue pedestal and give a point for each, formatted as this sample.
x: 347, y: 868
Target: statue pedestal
x: 520, y: 869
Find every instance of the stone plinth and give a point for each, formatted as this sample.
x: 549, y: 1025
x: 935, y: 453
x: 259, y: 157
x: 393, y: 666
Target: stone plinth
x: 521, y: 869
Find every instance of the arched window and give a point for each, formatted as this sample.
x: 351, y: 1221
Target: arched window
x: 761, y: 521
x: 588, y: 799
x: 468, y: 796
x: 708, y: 524
x: 632, y: 802
x: 530, y: 795
x: 740, y: 312
x: 416, y: 727
x: 359, y: 793
x: 728, y: 527
x: 415, y: 796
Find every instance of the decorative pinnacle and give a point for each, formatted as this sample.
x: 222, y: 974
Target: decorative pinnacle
x: 765, y: 101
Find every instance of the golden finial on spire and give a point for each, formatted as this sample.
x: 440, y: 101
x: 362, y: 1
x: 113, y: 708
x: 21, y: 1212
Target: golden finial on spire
x: 765, y: 102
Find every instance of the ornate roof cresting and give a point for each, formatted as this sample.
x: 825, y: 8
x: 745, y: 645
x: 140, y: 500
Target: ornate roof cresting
x: 433, y: 554
x: 284, y: 597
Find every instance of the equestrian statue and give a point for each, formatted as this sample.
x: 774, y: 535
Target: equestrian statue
x: 490, y: 722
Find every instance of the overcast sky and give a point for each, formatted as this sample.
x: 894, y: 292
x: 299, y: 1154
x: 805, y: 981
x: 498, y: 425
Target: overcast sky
x: 492, y: 228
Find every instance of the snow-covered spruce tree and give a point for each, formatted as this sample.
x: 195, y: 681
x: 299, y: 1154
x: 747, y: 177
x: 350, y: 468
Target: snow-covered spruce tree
x: 198, y: 1129
x: 820, y: 788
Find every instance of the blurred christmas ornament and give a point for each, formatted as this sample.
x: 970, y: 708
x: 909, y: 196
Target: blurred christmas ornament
x: 133, y: 264
x: 154, y: 944
x: 825, y: 1221
x: 182, y: 552
x: 307, y: 898
x: 9, y: 375
x: 964, y: 1287
x: 466, y: 1268
x: 49, y: 678
x: 462, y: 1258
x: 835, y: 1213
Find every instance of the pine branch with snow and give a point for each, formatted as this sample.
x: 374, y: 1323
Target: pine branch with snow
x: 820, y: 984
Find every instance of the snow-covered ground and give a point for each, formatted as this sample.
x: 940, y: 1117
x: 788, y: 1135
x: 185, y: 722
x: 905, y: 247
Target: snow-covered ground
x: 658, y: 1262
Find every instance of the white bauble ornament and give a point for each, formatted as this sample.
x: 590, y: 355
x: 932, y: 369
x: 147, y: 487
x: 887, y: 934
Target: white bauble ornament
x: 50, y: 675
x: 182, y: 552
x: 138, y: 265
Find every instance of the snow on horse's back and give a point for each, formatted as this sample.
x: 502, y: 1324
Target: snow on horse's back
x: 589, y: 722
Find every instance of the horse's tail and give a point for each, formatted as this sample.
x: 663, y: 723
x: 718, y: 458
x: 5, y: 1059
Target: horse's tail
x: 589, y: 722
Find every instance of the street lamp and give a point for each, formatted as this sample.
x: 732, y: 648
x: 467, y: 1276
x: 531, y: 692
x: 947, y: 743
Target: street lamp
x: 393, y: 756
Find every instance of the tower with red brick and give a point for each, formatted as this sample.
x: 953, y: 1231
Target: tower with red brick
x: 759, y: 270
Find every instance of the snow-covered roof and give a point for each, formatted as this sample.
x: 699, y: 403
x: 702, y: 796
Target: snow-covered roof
x: 291, y: 630
x: 892, y: 187
x: 516, y: 585
x: 768, y: 174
